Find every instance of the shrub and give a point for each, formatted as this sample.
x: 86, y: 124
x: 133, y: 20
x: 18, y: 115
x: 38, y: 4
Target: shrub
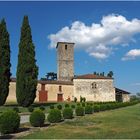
x: 54, y: 116
x: 75, y: 99
x: 42, y: 108
x: 81, y: 99
x: 96, y: 108
x: 51, y: 106
x: 16, y: 109
x: 73, y: 106
x: 9, y: 122
x: 67, y: 105
x: 78, y: 104
x: 83, y: 104
x: 30, y: 108
x: 91, y: 104
x: 88, y: 109
x: 84, y: 99
x: 68, y: 113
x: 79, y: 111
x: 59, y: 107
x: 37, y: 118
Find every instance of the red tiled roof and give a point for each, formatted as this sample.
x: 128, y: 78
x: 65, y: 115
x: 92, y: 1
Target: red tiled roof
x: 49, y: 82
x: 91, y: 76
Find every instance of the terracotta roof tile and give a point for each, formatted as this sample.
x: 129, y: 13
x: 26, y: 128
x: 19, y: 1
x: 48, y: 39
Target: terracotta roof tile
x: 91, y: 76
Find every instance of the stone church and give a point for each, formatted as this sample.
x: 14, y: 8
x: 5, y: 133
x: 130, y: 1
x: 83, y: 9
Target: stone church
x: 68, y: 86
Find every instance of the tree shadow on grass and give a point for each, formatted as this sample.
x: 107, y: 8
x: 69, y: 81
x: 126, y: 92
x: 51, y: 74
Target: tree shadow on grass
x: 10, y: 136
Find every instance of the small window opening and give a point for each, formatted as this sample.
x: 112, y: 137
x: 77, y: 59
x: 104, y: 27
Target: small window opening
x: 60, y: 88
x: 65, y: 47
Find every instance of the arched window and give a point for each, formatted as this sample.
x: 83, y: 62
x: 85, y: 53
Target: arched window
x: 94, y: 85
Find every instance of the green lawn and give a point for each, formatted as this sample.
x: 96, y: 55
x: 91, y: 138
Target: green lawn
x: 119, y: 123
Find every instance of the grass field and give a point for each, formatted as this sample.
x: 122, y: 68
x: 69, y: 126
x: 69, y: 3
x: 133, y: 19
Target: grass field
x: 119, y: 123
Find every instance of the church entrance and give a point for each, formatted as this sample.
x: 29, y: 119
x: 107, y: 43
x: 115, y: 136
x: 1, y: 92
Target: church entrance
x: 59, y: 97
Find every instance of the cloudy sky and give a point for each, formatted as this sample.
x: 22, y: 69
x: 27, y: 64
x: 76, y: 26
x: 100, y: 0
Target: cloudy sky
x: 106, y: 36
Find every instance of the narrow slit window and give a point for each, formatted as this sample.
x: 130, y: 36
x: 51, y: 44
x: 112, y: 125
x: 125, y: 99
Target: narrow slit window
x: 65, y: 47
x: 60, y: 88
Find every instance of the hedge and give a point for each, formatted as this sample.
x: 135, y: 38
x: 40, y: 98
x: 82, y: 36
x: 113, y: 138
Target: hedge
x: 68, y: 113
x: 79, y: 111
x: 37, y: 118
x: 54, y: 116
x: 9, y: 122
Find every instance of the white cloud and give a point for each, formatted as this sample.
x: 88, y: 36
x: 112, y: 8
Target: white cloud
x: 132, y: 54
x: 135, y: 84
x: 99, y: 40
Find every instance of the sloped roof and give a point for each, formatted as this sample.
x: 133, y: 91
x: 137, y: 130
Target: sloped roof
x: 120, y: 91
x: 91, y: 76
x: 49, y: 82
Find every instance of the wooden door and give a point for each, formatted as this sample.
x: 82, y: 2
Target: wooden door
x: 59, y: 97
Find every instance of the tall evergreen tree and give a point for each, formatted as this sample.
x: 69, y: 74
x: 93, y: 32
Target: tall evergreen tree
x: 27, y: 70
x: 4, y: 62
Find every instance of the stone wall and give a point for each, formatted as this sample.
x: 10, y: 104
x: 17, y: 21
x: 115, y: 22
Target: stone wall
x: 102, y: 91
x: 125, y: 97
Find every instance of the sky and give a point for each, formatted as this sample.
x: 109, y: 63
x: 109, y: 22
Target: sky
x: 106, y: 36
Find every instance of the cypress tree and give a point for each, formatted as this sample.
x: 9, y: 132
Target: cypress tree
x: 27, y: 70
x: 4, y: 62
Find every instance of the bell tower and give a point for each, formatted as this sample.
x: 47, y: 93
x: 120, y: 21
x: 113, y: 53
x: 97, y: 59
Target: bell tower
x: 65, y: 61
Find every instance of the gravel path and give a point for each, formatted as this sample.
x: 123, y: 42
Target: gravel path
x: 25, y: 118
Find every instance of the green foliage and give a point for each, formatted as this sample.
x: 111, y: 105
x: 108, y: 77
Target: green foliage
x: 4, y: 62
x: 59, y: 107
x: 83, y: 104
x: 84, y: 99
x: 30, y: 108
x: 75, y: 99
x: 27, y: 71
x: 9, y: 122
x: 96, y: 108
x: 37, y: 118
x: 67, y: 105
x: 73, y: 106
x: 79, y: 111
x: 54, y: 116
x: 78, y: 104
x: 88, y: 109
x: 81, y: 99
x: 42, y: 108
x: 16, y: 109
x: 67, y: 113
x: 110, y: 74
x: 51, y: 106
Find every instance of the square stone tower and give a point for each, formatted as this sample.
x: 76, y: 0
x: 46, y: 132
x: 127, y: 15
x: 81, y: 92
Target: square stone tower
x: 65, y: 61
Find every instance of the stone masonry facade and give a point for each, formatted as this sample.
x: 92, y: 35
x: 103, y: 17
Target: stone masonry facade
x: 65, y: 61
x: 94, y: 89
